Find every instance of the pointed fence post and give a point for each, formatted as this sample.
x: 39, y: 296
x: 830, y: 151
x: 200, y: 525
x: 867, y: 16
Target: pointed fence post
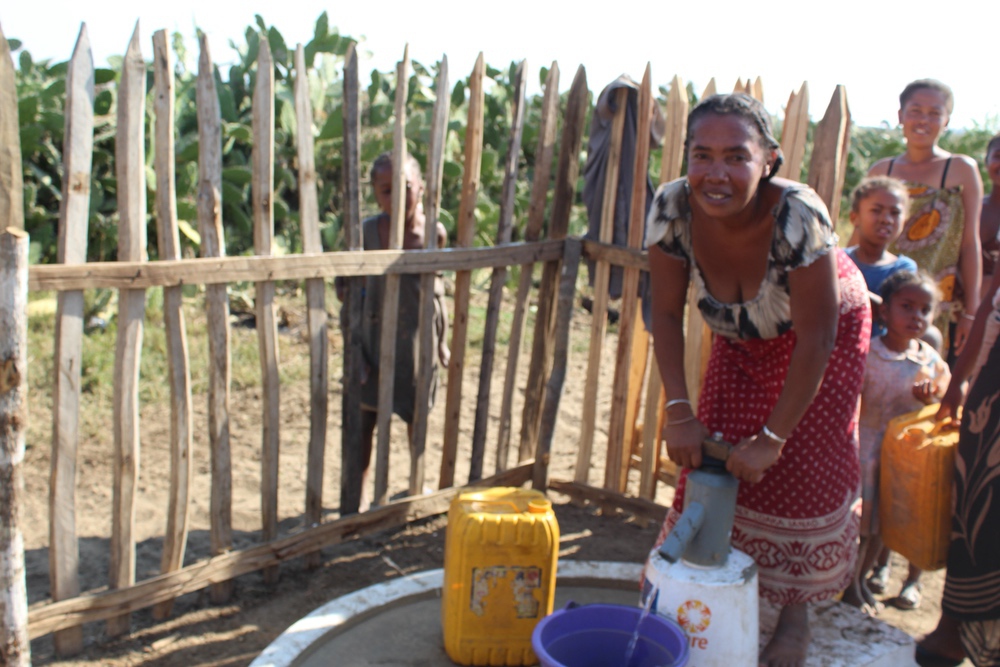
x: 213, y: 244
x: 130, y: 170
x: 793, y: 133
x: 74, y: 214
x: 828, y: 164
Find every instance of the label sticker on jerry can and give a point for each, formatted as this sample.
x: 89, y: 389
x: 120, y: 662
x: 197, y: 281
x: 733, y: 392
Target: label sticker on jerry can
x: 523, y: 582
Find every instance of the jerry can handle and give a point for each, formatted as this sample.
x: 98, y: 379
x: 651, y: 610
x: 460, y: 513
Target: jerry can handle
x: 946, y: 424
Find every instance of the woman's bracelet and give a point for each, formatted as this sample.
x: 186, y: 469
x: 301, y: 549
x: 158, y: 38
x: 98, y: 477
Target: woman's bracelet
x: 684, y: 420
x: 677, y: 401
x: 969, y: 317
x: 771, y: 435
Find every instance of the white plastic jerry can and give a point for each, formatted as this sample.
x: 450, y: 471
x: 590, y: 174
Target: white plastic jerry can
x: 716, y: 607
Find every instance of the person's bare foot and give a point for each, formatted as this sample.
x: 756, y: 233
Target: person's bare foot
x: 858, y: 595
x: 789, y: 644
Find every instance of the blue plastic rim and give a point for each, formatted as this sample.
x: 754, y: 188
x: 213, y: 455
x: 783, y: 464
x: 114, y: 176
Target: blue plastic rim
x: 597, y: 635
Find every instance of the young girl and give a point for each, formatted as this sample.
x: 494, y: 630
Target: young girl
x: 902, y: 374
x: 877, y: 208
x: 375, y: 235
x: 941, y: 233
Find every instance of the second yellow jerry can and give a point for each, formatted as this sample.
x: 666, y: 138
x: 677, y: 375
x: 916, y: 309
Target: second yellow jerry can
x: 918, y: 461
x: 499, y: 575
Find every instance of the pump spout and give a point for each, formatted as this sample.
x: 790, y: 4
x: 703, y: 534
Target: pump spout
x: 683, y: 532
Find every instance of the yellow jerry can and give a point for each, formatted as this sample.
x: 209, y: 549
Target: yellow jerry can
x: 918, y: 460
x: 499, y: 575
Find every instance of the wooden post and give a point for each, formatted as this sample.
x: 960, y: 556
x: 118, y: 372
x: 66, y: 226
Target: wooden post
x: 828, y: 163
x: 673, y: 157
x: 757, y: 90
x: 11, y: 180
x: 564, y: 196
x: 175, y: 539
x: 432, y: 206
x: 213, y: 244
x: 554, y: 386
x: 315, y: 300
x: 350, y: 442
x: 710, y: 90
x: 74, y: 212
x: 544, y: 153
x: 499, y: 278
x: 599, y: 319
x: 130, y: 169
x: 463, y: 279
x: 618, y: 426
x: 262, y: 192
x: 390, y: 296
x: 14, y: 648
x: 793, y: 133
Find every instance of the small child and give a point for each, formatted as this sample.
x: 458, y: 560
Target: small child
x: 902, y: 374
x: 375, y: 235
x: 878, y: 206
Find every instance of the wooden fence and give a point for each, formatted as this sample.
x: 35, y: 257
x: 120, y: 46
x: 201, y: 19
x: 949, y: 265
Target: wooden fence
x: 633, y: 434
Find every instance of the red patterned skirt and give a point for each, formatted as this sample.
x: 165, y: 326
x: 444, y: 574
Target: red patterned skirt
x: 800, y: 522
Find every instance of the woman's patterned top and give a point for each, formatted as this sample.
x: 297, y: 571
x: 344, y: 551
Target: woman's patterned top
x: 802, y: 233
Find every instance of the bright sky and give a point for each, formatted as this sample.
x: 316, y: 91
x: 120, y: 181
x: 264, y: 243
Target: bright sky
x: 873, y: 47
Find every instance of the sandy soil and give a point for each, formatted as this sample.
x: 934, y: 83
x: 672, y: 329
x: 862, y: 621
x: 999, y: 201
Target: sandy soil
x: 200, y: 633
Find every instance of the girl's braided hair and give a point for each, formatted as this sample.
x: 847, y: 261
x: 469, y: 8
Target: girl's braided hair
x: 744, y: 106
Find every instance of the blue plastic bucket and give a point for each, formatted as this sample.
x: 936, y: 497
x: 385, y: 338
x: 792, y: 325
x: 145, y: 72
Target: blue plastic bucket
x: 597, y: 635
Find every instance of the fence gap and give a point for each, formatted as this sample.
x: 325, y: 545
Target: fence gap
x: 499, y: 277
x: 544, y: 153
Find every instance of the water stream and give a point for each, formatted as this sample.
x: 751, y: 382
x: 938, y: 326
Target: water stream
x: 630, y: 651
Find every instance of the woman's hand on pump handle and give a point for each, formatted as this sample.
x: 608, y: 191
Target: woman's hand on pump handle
x: 752, y: 457
x: 684, y: 434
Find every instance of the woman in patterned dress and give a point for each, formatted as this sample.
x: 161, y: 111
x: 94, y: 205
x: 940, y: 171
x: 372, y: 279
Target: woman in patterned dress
x: 970, y: 606
x: 791, y: 318
x: 941, y: 232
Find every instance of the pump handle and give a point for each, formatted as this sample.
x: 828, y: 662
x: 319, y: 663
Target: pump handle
x: 716, y: 447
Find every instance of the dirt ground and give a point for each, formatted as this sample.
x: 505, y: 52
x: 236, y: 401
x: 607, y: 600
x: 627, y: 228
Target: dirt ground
x: 200, y: 633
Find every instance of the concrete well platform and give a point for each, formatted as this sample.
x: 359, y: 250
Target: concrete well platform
x: 398, y: 624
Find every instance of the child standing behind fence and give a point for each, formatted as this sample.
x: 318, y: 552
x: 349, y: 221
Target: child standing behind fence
x: 375, y: 235
x: 903, y: 373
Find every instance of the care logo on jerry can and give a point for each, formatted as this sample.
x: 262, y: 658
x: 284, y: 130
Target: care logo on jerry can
x: 695, y: 616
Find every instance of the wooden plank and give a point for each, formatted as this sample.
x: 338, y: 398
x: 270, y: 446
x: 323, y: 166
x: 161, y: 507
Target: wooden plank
x: 842, y: 159
x: 351, y: 438
x: 14, y: 649
x: 463, y: 279
x: 757, y: 90
x: 315, y: 299
x: 710, y: 90
x: 11, y: 179
x: 432, y: 207
x: 673, y: 157
x: 599, y: 318
x: 175, y: 538
x: 544, y: 153
x: 499, y: 278
x: 130, y: 170
x: 554, y: 385
x: 50, y: 617
x: 619, y: 444
x: 564, y: 197
x: 209, y: 271
x: 637, y: 363
x: 390, y: 296
x: 638, y: 507
x: 74, y: 214
x: 826, y: 163
x: 262, y: 199
x: 673, y: 139
x: 793, y: 133
x: 213, y: 245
